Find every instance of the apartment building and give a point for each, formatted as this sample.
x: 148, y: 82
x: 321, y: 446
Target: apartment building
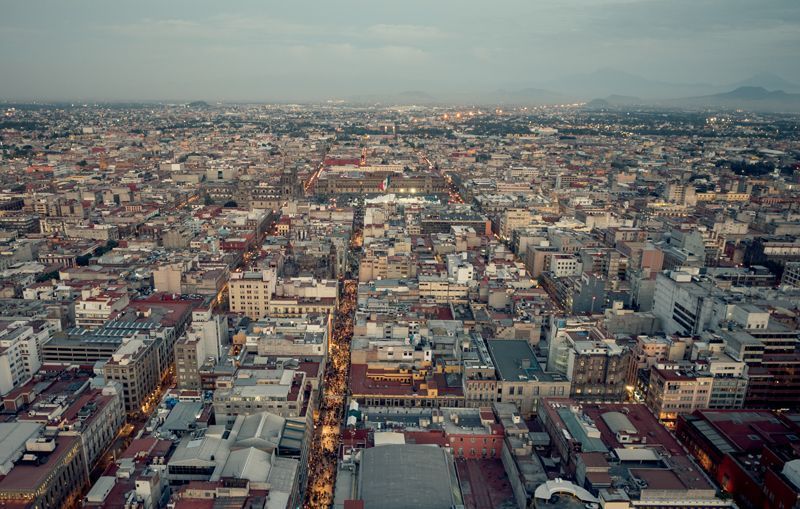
x: 40, y: 471
x: 597, y: 369
x: 203, y: 342
x: 249, y: 293
x: 20, y: 352
x: 279, y: 391
x: 97, y: 306
x: 258, y: 294
x: 442, y: 289
x: 673, y: 391
x: 304, y: 336
x: 521, y: 380
x: 565, y: 264
x: 684, y: 304
x: 93, y: 414
x: 480, y: 375
x: 137, y: 368
x: 512, y: 219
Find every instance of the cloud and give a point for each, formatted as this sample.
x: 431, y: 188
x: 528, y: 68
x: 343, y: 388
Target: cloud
x: 148, y: 28
x: 208, y: 47
x: 406, y: 33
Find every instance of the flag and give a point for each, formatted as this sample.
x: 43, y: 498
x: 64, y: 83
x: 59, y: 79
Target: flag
x: 385, y: 184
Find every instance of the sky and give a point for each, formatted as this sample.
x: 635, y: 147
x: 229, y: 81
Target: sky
x: 303, y: 50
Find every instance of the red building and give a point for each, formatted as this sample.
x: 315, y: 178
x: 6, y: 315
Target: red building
x: 472, y: 433
x: 241, y: 243
x: 469, y: 433
x: 747, y: 452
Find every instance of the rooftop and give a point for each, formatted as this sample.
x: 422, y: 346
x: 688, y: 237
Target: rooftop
x: 402, y: 476
x: 515, y: 361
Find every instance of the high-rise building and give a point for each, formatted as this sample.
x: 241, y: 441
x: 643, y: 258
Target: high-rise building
x: 202, y: 343
x: 135, y: 365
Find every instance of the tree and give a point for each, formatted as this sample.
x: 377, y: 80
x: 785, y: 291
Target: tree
x: 111, y: 244
x: 230, y: 204
x: 47, y: 276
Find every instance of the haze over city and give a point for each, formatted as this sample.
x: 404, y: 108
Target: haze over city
x: 447, y: 51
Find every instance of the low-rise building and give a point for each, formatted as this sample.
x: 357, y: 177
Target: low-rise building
x: 521, y: 380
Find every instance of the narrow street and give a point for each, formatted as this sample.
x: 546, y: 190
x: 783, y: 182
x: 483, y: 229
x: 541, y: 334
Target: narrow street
x: 323, y: 456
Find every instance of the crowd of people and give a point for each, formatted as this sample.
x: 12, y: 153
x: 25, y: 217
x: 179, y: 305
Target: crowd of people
x: 323, y: 458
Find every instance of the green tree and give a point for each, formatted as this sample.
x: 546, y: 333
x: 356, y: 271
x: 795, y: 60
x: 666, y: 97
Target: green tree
x: 47, y: 276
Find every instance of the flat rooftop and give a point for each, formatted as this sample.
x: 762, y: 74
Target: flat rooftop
x: 515, y: 361
x: 403, y: 476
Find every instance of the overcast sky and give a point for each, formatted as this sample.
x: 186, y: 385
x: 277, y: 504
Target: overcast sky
x: 302, y: 50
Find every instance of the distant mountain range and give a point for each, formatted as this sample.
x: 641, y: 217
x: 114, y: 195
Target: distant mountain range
x: 745, y: 97
x: 606, y: 88
x: 748, y: 98
x: 770, y: 82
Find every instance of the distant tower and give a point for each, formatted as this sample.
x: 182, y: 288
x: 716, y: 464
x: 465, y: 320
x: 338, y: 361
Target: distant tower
x: 364, y: 156
x: 288, y: 184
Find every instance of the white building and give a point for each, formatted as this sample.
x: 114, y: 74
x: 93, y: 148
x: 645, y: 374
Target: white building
x: 20, y: 354
x: 563, y: 265
x: 99, y: 305
x: 684, y: 305
x: 459, y: 269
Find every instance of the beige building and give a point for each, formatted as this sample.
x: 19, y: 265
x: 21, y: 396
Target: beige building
x: 102, y: 232
x: 728, y: 197
x: 442, y: 290
x: 167, y: 278
x: 136, y: 366
x: 250, y: 292
x: 97, y: 422
x: 296, y: 307
x: 258, y: 294
x: 305, y: 336
x: 512, y: 219
x: 97, y: 306
x: 521, y: 380
x: 674, y: 391
x: 189, y: 356
x: 682, y: 194
x: 382, y: 266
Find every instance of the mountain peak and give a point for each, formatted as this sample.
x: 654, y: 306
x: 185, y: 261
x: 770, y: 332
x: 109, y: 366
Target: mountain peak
x: 748, y: 92
x: 770, y: 81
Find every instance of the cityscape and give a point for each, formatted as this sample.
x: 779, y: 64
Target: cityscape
x: 554, y: 297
